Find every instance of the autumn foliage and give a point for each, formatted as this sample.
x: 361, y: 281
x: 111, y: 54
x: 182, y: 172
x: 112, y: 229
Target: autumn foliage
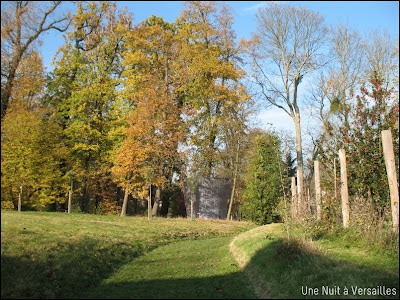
x: 131, y: 113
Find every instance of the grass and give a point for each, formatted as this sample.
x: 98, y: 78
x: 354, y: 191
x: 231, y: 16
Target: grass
x: 296, y: 267
x: 182, y: 270
x: 58, y: 255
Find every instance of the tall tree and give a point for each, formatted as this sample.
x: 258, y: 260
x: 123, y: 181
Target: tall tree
x: 235, y: 137
x: 344, y: 74
x: 149, y: 154
x: 284, y: 50
x: 210, y: 78
x: 83, y: 92
x: 263, y: 189
x: 22, y: 23
x: 31, y: 145
x: 382, y: 55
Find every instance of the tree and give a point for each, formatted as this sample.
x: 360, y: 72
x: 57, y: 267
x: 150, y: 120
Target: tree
x: 149, y: 154
x: 343, y: 75
x: 209, y: 75
x: 31, y: 145
x: 263, y: 189
x: 382, y: 55
x: 22, y: 22
x: 374, y: 110
x: 235, y: 128
x: 83, y: 91
x: 282, y: 52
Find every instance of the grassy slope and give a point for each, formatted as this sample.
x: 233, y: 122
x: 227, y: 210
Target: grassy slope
x: 281, y: 269
x: 182, y: 270
x: 57, y: 255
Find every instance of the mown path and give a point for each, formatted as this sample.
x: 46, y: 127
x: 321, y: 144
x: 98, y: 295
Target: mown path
x: 189, y: 269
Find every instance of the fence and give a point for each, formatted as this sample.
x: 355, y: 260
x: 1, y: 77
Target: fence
x: 388, y: 152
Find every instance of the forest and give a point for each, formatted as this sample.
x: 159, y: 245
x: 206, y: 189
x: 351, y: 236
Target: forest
x: 133, y: 112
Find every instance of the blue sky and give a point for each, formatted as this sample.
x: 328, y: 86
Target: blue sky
x: 364, y: 16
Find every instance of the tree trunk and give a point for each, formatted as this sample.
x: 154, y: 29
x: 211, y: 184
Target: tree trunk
x: 149, y: 204
x: 20, y: 199
x: 234, y: 183
x: 157, y: 201
x: 124, y: 204
x: 84, y: 201
x: 232, y: 196
x: 300, y: 168
x: 70, y: 199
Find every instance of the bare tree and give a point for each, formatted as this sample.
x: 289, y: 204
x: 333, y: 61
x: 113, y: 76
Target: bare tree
x: 333, y: 87
x: 382, y: 53
x: 284, y: 49
x: 353, y: 61
x: 21, y: 24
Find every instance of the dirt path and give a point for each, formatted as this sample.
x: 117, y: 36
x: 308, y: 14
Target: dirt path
x: 237, y: 248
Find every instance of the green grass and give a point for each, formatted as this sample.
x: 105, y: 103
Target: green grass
x: 188, y: 269
x: 58, y: 255
x: 284, y: 266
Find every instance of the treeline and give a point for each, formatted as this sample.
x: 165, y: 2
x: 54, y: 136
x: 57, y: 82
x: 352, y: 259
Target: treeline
x: 126, y: 110
x: 131, y: 112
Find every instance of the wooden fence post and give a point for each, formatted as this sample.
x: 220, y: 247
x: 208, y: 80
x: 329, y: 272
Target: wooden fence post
x: 317, y: 188
x: 294, y: 207
x: 335, y: 179
x: 344, y: 188
x: 192, y: 209
x: 300, y: 196
x: 388, y: 153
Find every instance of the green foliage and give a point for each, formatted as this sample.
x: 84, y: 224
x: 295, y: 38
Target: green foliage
x: 209, y: 79
x: 31, y: 146
x: 262, y: 191
x: 335, y: 105
x: 372, y: 111
x: 83, y: 94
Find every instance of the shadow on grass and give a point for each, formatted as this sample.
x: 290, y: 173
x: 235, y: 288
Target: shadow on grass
x: 232, y: 286
x: 75, y: 271
x: 288, y: 270
x: 292, y: 270
x: 64, y: 271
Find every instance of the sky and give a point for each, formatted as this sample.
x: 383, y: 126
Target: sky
x: 364, y: 16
